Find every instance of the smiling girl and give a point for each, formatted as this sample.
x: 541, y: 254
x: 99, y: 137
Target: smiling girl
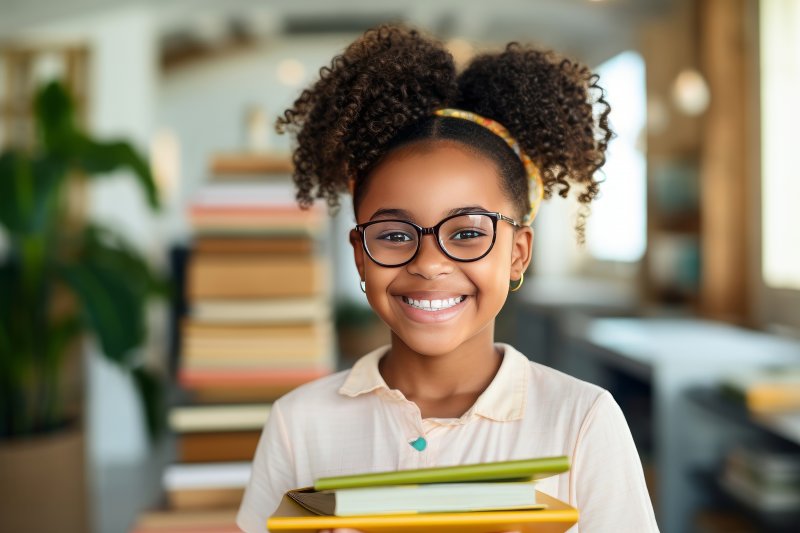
x: 446, y: 171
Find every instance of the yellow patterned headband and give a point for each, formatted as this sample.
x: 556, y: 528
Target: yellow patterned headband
x: 534, y: 176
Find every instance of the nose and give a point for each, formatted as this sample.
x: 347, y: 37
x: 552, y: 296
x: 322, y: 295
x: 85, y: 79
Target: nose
x: 430, y: 261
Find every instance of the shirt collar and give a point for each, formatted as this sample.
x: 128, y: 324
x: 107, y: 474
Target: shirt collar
x: 503, y: 400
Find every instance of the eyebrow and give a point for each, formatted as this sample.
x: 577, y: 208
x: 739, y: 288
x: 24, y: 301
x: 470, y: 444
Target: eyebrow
x: 406, y: 215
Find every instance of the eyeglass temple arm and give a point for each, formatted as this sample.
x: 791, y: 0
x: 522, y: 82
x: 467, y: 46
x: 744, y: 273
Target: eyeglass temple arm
x: 509, y: 220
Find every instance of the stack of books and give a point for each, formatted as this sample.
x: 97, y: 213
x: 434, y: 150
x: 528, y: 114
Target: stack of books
x: 215, y: 445
x: 480, y: 498
x: 259, y: 310
x: 257, y: 324
x: 764, y: 478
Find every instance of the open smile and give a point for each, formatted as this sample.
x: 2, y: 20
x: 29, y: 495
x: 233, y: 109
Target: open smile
x: 430, y: 309
x: 433, y: 305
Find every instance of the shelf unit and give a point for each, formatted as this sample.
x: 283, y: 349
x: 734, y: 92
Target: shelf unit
x: 650, y: 364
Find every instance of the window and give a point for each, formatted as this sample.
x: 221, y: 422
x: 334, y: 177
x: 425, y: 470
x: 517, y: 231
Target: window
x: 617, y: 227
x: 780, y: 115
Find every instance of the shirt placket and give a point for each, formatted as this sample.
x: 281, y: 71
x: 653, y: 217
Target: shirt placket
x: 416, y: 450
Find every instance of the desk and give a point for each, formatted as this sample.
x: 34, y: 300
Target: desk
x: 673, y: 355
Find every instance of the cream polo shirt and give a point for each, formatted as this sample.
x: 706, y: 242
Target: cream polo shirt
x: 351, y: 422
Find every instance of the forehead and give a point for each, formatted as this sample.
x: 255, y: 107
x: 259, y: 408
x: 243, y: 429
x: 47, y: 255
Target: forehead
x: 430, y: 180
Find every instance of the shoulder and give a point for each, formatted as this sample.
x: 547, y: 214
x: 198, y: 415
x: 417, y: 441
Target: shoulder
x: 555, y: 382
x: 559, y: 394
x: 312, y: 395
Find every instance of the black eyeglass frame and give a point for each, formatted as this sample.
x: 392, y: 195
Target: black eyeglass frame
x: 434, y: 230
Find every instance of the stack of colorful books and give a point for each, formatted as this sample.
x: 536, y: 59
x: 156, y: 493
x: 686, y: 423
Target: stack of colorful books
x: 479, y: 498
x: 258, y: 324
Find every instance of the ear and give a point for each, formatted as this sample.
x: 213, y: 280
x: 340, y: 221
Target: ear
x: 521, y: 251
x: 358, y: 252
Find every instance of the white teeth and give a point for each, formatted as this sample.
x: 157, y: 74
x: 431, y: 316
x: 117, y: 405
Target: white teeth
x: 433, y: 305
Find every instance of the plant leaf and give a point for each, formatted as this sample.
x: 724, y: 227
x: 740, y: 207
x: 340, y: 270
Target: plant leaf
x: 151, y: 391
x: 99, y: 158
x: 54, y: 113
x: 29, y: 189
x: 113, y: 307
x: 113, y: 282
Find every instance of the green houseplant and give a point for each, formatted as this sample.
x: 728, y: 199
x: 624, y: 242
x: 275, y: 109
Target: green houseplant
x: 62, y: 277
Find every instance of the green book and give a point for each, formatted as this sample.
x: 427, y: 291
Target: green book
x: 516, y: 470
x: 415, y: 499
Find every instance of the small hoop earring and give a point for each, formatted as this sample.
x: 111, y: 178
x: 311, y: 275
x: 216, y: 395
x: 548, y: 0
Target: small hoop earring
x: 363, y: 286
x: 515, y: 288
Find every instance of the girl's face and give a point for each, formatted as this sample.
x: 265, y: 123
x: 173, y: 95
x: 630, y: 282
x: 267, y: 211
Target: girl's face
x: 423, y: 183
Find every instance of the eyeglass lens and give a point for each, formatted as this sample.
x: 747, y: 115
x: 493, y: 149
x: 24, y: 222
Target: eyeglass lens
x: 463, y: 237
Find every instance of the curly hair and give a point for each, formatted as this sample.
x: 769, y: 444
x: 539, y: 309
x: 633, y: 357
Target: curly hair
x: 381, y: 92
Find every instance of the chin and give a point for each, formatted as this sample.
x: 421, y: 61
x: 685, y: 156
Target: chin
x: 431, y: 344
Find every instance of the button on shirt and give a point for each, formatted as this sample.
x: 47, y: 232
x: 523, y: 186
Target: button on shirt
x: 352, y: 422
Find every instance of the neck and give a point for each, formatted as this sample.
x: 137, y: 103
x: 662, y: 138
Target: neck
x: 466, y: 371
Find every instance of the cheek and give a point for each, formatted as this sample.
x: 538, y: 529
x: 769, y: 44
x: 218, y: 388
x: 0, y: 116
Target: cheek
x: 495, y: 268
x: 378, y: 279
x: 491, y: 279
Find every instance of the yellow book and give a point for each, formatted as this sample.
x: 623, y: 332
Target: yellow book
x: 766, y: 390
x: 555, y: 517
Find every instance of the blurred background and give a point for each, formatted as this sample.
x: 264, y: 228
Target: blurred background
x: 159, y: 287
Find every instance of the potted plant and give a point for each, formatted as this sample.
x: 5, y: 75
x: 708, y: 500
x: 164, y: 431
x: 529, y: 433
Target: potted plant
x: 62, y: 277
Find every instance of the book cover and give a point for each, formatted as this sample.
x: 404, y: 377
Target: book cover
x: 209, y: 498
x: 200, y: 418
x: 186, y: 521
x: 251, y: 164
x: 233, y: 193
x: 217, y: 446
x: 278, y: 346
x: 556, y: 517
x: 250, y: 245
x: 281, y: 378
x: 253, y: 218
x: 514, y: 470
x: 270, y: 311
x: 414, y: 499
x: 209, y: 393
x: 767, y: 390
x: 205, y: 485
x: 253, y: 277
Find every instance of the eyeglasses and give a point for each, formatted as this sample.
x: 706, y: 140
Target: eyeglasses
x: 464, y: 237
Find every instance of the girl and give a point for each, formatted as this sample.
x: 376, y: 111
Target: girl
x: 446, y: 172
